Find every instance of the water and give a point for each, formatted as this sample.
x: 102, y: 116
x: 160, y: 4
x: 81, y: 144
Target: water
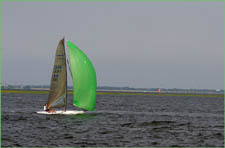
x: 119, y: 120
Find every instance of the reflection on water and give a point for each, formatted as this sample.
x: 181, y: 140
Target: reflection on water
x: 83, y: 116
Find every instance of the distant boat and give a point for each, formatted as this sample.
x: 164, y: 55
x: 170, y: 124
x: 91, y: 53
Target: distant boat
x: 83, y: 76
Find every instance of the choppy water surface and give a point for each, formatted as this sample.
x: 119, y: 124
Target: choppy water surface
x: 119, y: 120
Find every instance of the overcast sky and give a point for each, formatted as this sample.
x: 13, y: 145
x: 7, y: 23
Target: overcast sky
x: 136, y: 44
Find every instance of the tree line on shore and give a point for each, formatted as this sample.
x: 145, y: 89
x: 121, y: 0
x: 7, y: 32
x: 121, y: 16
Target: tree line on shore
x: 46, y: 87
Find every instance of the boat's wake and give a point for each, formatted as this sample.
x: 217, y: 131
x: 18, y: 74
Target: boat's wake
x: 68, y: 112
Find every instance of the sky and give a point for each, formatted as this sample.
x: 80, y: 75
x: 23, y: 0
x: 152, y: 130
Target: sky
x: 136, y: 44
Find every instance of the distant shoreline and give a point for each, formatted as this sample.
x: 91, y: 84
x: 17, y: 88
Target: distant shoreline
x: 117, y: 92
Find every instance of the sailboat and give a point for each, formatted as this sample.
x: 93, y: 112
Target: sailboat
x: 83, y: 76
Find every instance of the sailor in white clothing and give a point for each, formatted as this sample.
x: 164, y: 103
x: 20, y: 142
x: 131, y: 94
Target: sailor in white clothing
x: 45, y: 107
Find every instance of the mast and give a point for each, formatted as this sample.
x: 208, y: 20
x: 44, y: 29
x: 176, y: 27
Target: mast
x: 66, y: 95
x: 66, y: 77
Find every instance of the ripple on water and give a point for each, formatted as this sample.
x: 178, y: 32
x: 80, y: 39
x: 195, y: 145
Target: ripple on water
x: 118, y: 121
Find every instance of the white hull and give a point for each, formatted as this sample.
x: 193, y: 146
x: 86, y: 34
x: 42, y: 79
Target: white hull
x: 68, y: 112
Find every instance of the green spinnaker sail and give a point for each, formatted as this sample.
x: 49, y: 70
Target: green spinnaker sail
x: 84, y: 78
